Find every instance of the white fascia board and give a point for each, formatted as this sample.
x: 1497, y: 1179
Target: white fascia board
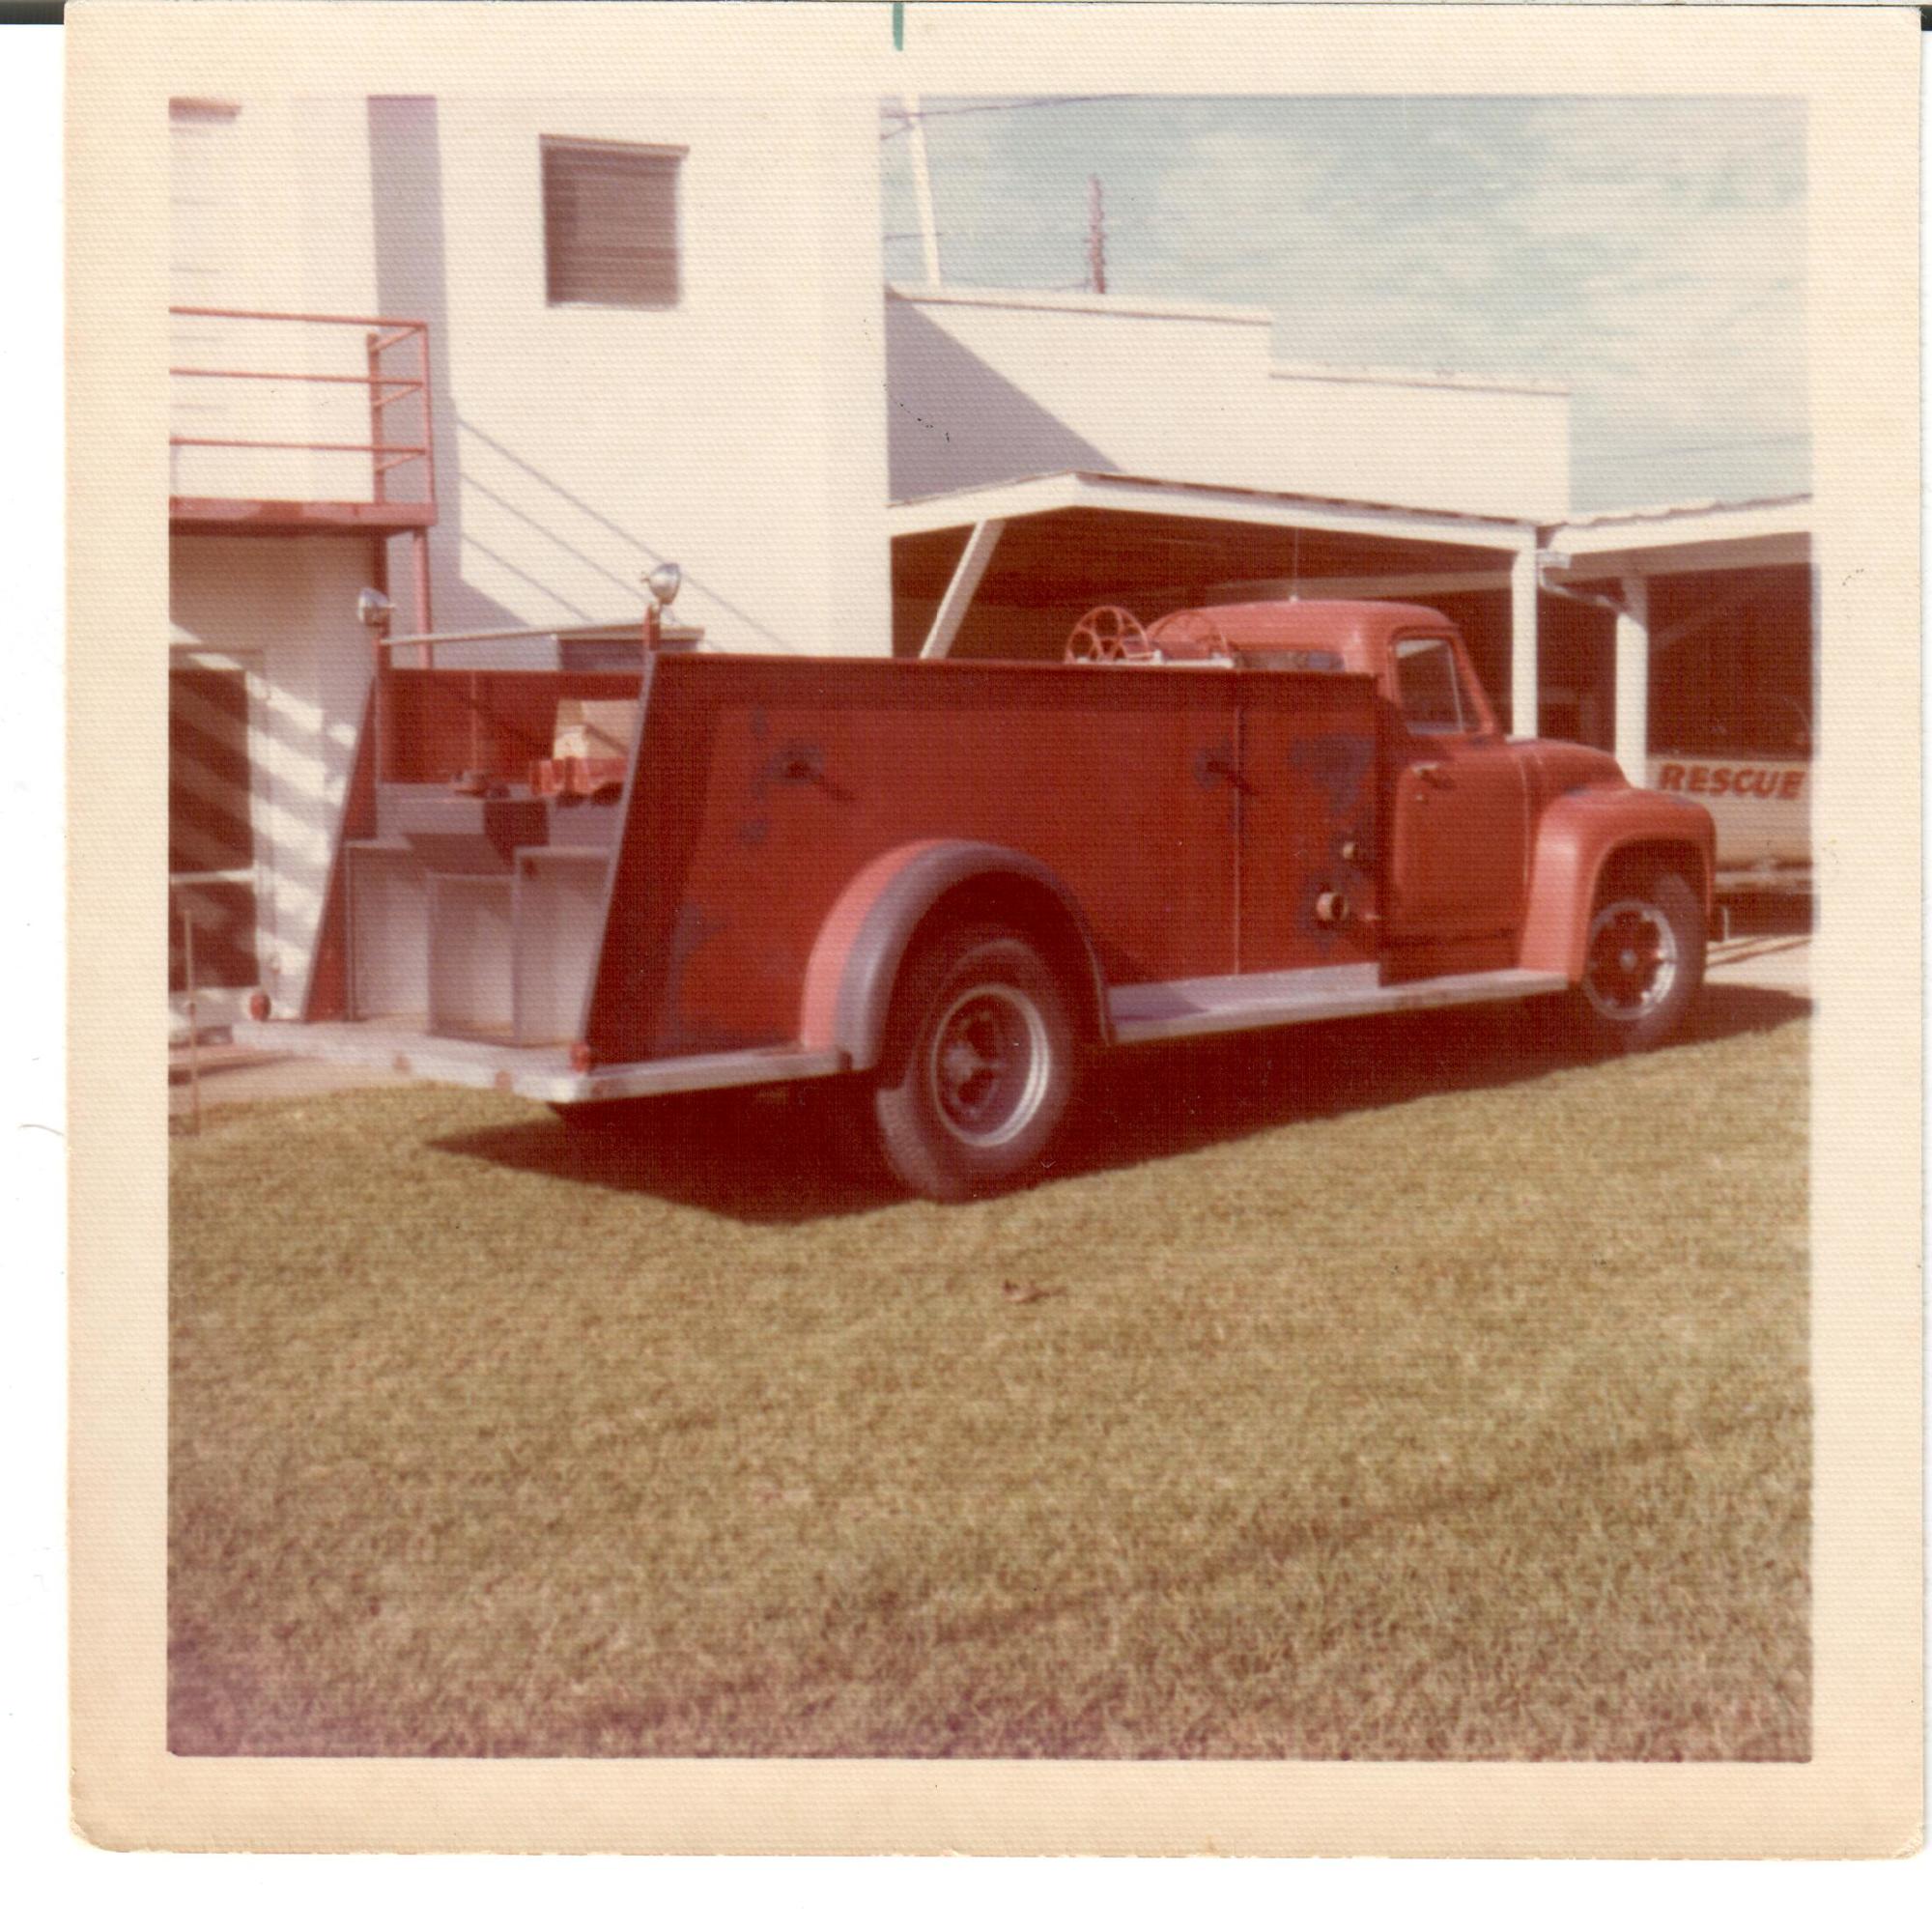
x: 1037, y: 495
x: 961, y: 510
x: 1638, y: 533
x: 1302, y: 513
x: 1369, y: 376
x: 1049, y: 301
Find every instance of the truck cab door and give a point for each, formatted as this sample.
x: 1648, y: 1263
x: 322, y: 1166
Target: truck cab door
x: 1457, y: 801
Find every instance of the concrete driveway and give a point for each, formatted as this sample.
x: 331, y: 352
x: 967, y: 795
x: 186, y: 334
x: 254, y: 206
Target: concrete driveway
x: 1769, y: 945
x: 233, y: 1075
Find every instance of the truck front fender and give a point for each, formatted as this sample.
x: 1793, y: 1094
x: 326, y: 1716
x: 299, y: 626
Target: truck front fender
x: 1581, y: 833
x: 862, y: 945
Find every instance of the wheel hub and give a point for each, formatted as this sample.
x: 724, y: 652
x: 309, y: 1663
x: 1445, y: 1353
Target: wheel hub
x: 989, y: 1065
x: 1631, y: 960
x: 964, y: 1063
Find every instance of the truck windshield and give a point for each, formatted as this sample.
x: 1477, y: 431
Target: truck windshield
x: 1431, y: 691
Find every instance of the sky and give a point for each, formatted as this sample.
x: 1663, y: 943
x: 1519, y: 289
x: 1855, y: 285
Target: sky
x: 1648, y: 253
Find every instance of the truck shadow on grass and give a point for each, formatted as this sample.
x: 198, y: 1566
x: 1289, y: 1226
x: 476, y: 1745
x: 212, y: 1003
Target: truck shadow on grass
x: 772, y: 1160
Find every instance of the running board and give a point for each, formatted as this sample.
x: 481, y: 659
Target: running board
x: 1187, y: 1008
x: 533, y: 1071
x: 1175, y: 1009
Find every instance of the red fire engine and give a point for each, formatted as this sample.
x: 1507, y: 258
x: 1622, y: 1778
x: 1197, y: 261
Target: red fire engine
x: 948, y: 882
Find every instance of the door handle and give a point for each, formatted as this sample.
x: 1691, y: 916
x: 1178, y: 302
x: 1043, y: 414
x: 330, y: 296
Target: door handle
x: 1437, y: 775
x: 1216, y: 765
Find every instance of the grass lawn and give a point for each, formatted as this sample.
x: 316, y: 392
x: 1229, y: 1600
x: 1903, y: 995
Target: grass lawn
x: 1383, y: 1390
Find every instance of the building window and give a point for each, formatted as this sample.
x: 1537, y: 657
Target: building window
x: 610, y: 224
x: 184, y: 111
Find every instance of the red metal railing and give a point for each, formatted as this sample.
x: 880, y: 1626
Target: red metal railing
x: 384, y: 340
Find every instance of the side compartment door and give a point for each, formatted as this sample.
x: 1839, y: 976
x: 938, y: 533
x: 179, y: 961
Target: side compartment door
x: 1457, y: 805
x: 1306, y: 885
x: 763, y: 788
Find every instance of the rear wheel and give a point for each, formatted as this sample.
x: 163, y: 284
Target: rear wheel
x: 980, y: 1066
x: 1643, y: 963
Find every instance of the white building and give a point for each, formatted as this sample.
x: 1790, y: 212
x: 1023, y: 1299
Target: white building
x: 988, y: 385
x: 651, y: 329
x: 502, y: 358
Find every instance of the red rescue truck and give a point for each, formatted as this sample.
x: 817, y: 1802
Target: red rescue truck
x: 948, y: 882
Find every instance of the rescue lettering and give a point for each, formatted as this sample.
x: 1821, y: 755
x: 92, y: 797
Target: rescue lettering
x: 1738, y: 781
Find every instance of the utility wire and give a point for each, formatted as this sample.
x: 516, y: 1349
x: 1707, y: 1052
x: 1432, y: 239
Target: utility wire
x: 904, y: 120
x: 1714, y: 448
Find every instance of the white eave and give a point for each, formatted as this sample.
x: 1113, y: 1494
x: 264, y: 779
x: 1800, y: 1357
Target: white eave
x: 1146, y: 496
x: 1050, y: 301
x: 1679, y: 512
x: 1392, y: 377
x: 1682, y: 524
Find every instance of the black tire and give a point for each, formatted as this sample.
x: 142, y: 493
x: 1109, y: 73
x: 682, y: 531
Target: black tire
x: 980, y: 1065
x: 1643, y: 964
x: 843, y: 1128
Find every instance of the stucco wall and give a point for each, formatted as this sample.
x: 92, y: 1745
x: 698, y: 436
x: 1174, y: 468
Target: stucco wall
x: 738, y: 432
x: 285, y: 607
x: 269, y: 209
x: 987, y: 387
x: 1427, y: 444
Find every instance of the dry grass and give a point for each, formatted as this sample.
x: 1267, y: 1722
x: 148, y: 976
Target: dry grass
x: 1380, y: 1392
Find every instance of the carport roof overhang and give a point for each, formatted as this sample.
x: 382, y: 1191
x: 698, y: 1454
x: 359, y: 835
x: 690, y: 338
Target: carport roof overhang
x: 1080, y: 537
x: 1203, y: 502
x: 1761, y: 534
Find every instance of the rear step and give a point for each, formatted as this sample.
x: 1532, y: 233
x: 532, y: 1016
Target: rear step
x: 533, y: 1071
x: 1252, y: 1002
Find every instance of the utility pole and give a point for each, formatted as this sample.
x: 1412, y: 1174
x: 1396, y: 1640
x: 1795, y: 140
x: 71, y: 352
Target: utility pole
x: 922, y: 184
x: 1096, y: 236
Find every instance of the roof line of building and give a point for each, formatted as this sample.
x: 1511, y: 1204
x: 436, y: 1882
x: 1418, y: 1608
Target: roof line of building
x: 1368, y: 373
x: 1677, y: 511
x: 1076, y: 302
x: 1543, y: 527
x: 1114, y: 478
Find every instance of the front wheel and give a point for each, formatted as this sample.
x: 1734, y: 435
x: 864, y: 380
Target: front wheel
x: 1642, y: 964
x: 980, y: 1066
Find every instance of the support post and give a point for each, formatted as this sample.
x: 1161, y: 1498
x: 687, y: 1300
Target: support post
x: 965, y: 584
x: 1526, y: 682
x: 1632, y: 680
x: 380, y: 712
x: 425, y: 617
x: 380, y: 482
